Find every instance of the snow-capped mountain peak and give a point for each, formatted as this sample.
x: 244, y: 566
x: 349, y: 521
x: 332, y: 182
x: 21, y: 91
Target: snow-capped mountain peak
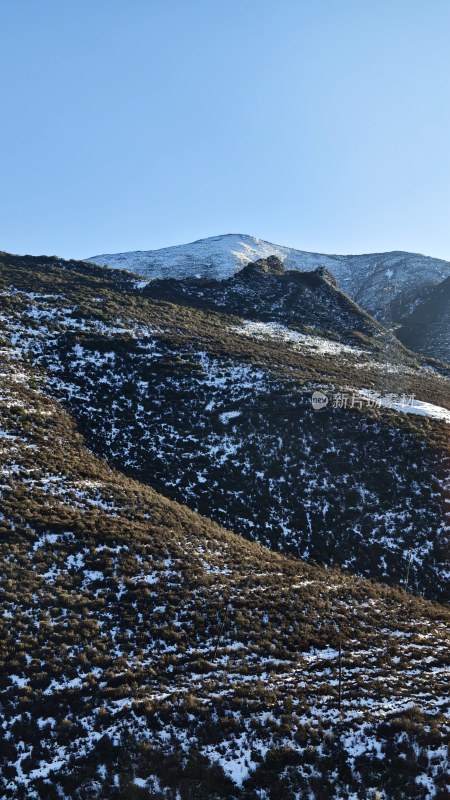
x: 215, y: 257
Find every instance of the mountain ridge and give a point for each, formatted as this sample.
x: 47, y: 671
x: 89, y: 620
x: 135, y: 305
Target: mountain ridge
x: 220, y: 256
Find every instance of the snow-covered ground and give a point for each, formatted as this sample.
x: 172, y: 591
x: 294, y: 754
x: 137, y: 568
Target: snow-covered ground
x: 301, y: 341
x: 409, y: 405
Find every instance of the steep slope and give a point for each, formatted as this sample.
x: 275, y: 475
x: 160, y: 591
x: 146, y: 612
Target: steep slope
x: 427, y: 328
x: 387, y: 285
x: 215, y: 411
x: 146, y: 653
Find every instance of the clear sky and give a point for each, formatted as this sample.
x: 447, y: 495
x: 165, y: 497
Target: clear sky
x: 136, y: 124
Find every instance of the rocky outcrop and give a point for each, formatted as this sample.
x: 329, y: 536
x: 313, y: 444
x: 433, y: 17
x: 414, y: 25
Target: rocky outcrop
x: 271, y: 265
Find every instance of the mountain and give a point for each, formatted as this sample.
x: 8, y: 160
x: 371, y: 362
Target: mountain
x: 387, y: 285
x: 148, y: 653
x: 221, y: 256
x: 217, y: 257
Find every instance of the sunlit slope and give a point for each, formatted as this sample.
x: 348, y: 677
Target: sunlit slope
x: 145, y: 650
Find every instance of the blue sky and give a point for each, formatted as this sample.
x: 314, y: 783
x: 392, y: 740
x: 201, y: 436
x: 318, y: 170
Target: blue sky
x: 136, y: 124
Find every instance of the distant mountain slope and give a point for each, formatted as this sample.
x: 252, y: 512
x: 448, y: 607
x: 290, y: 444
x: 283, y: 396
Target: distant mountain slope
x: 427, y: 328
x: 221, y: 256
x: 148, y: 654
x: 215, y: 411
x: 387, y: 285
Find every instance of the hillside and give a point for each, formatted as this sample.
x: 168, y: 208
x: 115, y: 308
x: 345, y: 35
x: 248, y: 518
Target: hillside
x: 149, y: 654
x: 215, y: 412
x: 427, y: 328
x: 387, y: 285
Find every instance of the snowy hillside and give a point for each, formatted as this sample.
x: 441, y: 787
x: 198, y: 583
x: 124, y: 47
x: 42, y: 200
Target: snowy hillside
x: 214, y: 410
x: 146, y: 652
x: 144, y: 647
x: 217, y: 257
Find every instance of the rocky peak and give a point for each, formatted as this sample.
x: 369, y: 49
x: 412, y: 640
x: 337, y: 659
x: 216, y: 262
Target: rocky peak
x: 325, y: 273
